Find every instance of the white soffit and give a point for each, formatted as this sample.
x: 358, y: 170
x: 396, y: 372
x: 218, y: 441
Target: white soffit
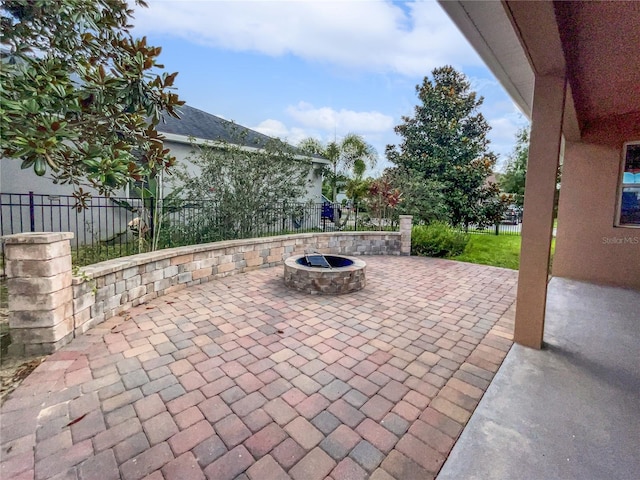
x: 489, y: 30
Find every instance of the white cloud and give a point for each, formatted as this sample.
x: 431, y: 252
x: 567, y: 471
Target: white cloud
x: 503, y: 130
x: 379, y: 36
x: 273, y: 128
x: 377, y: 128
x: 342, y: 121
x: 277, y: 129
x: 325, y: 124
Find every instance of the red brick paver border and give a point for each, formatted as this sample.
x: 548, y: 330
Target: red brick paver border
x: 242, y: 378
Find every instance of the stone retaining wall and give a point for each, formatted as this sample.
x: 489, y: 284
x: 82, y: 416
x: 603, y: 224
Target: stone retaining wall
x: 70, y: 305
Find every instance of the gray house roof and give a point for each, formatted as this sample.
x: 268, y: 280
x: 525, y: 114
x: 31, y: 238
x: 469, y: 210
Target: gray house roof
x: 203, y: 125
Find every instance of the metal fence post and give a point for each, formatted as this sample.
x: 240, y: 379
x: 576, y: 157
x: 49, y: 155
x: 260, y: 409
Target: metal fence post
x: 355, y: 219
x: 152, y: 212
x: 32, y: 213
x: 284, y: 216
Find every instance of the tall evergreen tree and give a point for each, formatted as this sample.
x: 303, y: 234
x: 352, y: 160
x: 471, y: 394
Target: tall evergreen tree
x: 445, y: 142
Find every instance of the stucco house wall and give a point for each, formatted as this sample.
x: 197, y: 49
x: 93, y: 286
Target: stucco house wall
x: 15, y: 180
x: 589, y: 247
x: 53, y: 208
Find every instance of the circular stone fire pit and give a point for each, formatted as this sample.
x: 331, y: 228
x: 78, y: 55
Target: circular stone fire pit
x: 341, y: 275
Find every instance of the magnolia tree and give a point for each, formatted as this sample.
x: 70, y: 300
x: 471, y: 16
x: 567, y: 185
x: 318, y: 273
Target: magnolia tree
x: 445, y: 146
x: 423, y: 199
x: 79, y: 96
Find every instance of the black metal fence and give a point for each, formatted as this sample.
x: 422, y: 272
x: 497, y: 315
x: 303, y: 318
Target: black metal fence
x: 503, y: 228
x: 111, y: 227
x: 100, y: 230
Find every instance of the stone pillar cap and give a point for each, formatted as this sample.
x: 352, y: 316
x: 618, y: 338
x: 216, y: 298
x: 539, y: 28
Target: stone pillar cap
x: 36, y: 237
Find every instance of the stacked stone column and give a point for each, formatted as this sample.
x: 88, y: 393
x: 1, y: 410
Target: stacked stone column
x: 405, y: 234
x: 38, y: 268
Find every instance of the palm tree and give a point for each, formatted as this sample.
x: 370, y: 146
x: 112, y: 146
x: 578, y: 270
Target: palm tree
x: 357, y: 187
x: 352, y: 151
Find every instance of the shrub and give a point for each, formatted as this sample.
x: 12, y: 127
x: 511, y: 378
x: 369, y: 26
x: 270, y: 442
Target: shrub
x: 437, y: 239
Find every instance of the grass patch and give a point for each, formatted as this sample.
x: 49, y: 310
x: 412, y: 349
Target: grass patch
x: 496, y: 250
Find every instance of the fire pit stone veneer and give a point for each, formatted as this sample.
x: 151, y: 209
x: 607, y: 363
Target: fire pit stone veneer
x: 346, y: 275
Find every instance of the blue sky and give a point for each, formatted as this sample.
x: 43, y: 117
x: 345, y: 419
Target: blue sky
x: 294, y: 69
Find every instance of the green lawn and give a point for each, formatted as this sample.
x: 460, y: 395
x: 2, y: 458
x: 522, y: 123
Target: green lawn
x: 496, y: 250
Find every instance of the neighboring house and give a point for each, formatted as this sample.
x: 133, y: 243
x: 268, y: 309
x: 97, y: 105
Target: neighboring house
x: 194, y: 127
x: 200, y: 128
x: 573, y: 68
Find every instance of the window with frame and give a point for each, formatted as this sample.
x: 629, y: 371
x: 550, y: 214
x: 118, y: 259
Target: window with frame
x: 629, y: 211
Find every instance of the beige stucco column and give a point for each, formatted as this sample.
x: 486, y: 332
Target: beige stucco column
x: 405, y: 234
x: 38, y: 267
x: 537, y: 226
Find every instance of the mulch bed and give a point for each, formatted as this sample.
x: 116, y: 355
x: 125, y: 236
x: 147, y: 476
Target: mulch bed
x: 13, y: 371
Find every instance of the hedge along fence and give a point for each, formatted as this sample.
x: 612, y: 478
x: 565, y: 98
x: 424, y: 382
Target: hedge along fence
x: 49, y: 306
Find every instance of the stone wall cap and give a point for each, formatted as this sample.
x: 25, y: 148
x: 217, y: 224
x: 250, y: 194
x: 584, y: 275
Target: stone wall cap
x: 405, y: 216
x: 117, y: 264
x: 36, y: 237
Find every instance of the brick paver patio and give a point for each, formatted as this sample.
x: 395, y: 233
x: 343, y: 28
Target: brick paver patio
x: 242, y: 378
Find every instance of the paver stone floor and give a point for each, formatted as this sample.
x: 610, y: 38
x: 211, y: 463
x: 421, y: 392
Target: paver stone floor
x: 243, y: 378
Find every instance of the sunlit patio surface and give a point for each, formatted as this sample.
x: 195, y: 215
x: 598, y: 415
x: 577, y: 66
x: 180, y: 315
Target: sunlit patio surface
x: 243, y: 378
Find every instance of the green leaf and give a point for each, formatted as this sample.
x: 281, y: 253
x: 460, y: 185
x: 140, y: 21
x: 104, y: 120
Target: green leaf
x: 77, y: 40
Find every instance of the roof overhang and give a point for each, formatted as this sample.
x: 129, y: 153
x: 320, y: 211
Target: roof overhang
x: 488, y: 28
x: 594, y: 45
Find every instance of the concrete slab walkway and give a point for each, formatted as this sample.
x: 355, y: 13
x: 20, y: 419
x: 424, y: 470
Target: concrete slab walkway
x: 242, y: 378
